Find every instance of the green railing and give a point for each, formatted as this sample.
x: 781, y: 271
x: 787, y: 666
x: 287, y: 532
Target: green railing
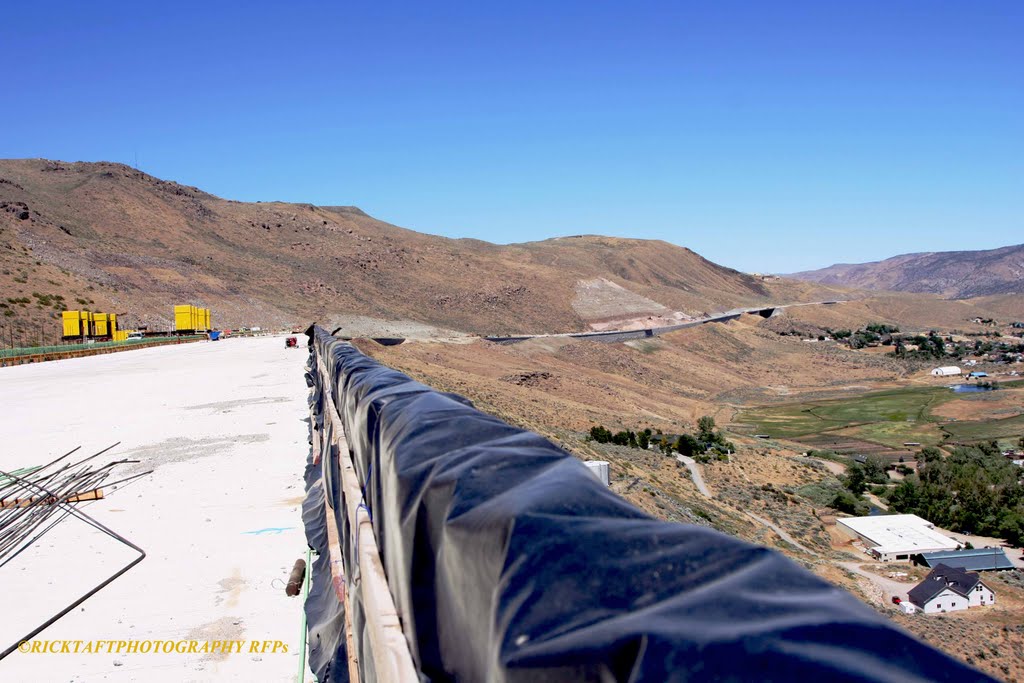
x: 60, y: 348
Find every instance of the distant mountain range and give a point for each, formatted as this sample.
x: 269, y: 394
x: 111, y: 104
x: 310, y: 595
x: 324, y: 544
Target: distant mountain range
x: 952, y: 274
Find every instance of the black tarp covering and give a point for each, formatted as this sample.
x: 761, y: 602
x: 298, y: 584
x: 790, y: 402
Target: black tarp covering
x: 509, y: 561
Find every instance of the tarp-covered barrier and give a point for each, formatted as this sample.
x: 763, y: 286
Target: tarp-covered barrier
x: 509, y: 561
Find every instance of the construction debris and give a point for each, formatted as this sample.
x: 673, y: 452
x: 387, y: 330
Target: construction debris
x: 34, y: 500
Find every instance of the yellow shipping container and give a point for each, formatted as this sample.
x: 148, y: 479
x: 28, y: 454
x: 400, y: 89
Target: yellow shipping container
x: 100, y: 324
x: 72, y: 324
x: 183, y: 317
x: 112, y: 317
x: 209, y: 322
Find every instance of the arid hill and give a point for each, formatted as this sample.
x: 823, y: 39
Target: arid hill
x: 952, y: 274
x: 108, y: 237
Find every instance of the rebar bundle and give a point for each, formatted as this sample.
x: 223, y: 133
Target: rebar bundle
x: 34, y: 500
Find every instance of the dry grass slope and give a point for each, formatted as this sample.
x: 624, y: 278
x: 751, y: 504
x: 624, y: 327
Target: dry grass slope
x: 120, y: 240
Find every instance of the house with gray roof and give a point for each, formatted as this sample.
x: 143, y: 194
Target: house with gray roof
x: 949, y: 589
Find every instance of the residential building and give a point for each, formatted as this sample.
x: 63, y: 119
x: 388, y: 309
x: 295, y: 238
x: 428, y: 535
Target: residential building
x: 948, y: 589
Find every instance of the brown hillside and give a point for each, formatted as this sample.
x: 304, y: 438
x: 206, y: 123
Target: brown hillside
x: 954, y: 274
x: 108, y: 237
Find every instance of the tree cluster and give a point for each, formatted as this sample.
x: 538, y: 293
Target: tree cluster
x: 858, y: 339
x: 626, y: 437
x: 702, y: 446
x: 973, y: 489
x: 858, y: 476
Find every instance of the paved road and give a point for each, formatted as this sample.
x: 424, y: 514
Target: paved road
x: 626, y: 335
x: 695, y: 474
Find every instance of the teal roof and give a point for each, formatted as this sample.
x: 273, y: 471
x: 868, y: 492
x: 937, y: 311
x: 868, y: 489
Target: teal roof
x: 975, y: 559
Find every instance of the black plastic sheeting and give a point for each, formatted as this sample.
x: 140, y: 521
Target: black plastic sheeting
x: 509, y: 561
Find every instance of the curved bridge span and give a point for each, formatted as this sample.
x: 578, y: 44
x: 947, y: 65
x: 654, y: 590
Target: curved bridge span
x: 613, y: 336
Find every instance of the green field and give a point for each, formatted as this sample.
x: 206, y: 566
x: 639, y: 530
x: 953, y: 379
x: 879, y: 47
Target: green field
x: 907, y: 406
x: 895, y: 434
x: 1006, y: 428
x: 889, y: 418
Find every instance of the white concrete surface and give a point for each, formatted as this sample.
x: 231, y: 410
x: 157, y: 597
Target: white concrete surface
x: 223, y: 424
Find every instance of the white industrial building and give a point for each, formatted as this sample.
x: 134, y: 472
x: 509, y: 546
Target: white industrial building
x: 896, y: 537
x: 947, y: 371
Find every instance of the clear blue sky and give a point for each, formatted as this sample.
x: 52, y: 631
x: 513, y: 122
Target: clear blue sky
x: 770, y: 136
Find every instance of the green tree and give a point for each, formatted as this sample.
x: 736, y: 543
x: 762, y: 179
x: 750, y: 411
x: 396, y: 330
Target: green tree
x: 874, y: 470
x: 599, y: 434
x: 706, y: 428
x: 855, y: 480
x: 904, y: 497
x: 689, y: 446
x: 1012, y: 528
x: 845, y: 502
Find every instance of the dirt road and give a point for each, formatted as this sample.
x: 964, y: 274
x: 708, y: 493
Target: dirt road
x: 886, y: 587
x: 695, y: 474
x: 780, y: 531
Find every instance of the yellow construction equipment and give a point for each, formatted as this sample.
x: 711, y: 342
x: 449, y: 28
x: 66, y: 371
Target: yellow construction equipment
x: 189, y: 318
x: 77, y: 323
x: 72, y: 324
x: 183, y: 317
x: 101, y: 325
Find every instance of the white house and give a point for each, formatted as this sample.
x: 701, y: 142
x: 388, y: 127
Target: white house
x: 947, y: 371
x: 948, y: 589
